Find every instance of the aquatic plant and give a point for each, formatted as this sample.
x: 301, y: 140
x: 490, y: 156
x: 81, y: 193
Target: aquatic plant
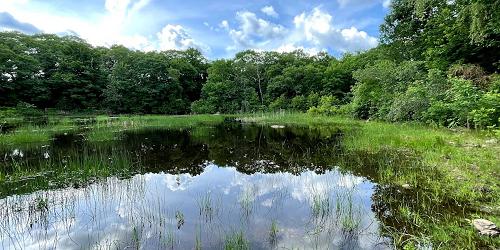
x: 273, y: 233
x: 179, y: 216
x: 236, y: 241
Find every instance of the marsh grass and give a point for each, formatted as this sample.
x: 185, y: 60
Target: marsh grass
x: 246, y: 201
x: 100, y: 128
x: 321, y: 206
x: 452, y: 175
x: 452, y: 170
x: 69, y: 169
x: 197, y: 240
x: 273, y: 233
x: 208, y: 206
x: 236, y: 241
x: 179, y: 216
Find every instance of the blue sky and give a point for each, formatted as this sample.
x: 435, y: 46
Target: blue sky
x: 218, y: 28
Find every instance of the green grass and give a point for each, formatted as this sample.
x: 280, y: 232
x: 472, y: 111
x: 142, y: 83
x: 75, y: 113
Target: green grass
x: 236, y: 241
x: 102, y: 128
x: 75, y: 169
x: 446, y: 169
x: 273, y: 233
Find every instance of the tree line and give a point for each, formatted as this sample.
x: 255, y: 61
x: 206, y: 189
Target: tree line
x: 67, y: 73
x: 437, y: 63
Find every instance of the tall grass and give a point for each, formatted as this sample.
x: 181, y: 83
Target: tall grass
x: 236, y: 241
x: 72, y: 169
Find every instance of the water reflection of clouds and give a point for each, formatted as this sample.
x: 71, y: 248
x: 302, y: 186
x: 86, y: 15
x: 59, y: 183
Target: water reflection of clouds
x: 111, y: 213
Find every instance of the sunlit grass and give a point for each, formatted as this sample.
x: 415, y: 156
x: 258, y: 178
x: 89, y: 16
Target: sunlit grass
x: 458, y: 168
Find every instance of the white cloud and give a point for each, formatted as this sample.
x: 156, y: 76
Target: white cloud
x: 318, y: 29
x: 224, y: 24
x: 344, y: 3
x: 363, y: 3
x: 269, y: 10
x: 292, y: 47
x: 387, y: 3
x: 176, y: 37
x: 109, y: 28
x: 254, y: 32
x: 105, y: 29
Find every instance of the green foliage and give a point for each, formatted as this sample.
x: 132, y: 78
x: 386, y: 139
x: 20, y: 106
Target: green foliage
x: 378, y: 85
x: 224, y: 93
x: 488, y: 112
x: 67, y: 73
x: 434, y: 65
x: 299, y: 103
x: 411, y: 104
x: 454, y: 110
x: 327, y: 106
x: 31, y: 114
x: 279, y: 104
x: 236, y: 241
x: 444, y: 32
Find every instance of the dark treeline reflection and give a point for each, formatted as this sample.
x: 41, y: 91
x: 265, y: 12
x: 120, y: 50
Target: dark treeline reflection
x: 71, y: 159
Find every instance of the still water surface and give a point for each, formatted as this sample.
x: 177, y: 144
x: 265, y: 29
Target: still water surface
x: 208, y: 187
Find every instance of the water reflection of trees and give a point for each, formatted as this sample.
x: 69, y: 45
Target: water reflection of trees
x: 250, y: 149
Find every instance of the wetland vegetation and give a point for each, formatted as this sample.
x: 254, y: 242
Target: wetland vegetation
x: 217, y: 181
x: 394, y: 147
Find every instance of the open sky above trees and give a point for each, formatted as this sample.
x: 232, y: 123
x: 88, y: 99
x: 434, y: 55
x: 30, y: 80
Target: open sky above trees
x: 218, y: 28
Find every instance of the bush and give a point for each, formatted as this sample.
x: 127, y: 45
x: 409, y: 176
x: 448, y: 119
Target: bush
x: 31, y: 114
x: 411, y: 105
x: 299, y: 103
x: 377, y: 86
x: 326, y: 106
x: 202, y: 107
x: 279, y: 103
x: 489, y: 112
x: 471, y: 72
x: 455, y: 109
x: 313, y: 100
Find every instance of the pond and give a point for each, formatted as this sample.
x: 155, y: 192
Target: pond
x: 228, y: 186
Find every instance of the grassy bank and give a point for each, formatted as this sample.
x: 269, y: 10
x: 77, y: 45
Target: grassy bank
x: 433, y: 181
x: 98, y: 128
x: 452, y: 177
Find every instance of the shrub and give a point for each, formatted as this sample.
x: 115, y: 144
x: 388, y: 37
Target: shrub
x: 279, y: 103
x: 31, y: 114
x: 326, y: 106
x: 299, y: 103
x: 470, y: 72
x: 202, y: 107
x: 411, y: 105
x: 455, y: 109
x: 489, y: 113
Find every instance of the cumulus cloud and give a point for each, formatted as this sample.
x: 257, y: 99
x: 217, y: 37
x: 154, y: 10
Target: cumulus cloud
x: 113, y: 26
x: 122, y: 8
x: 318, y: 29
x: 269, y: 10
x: 312, y: 32
x: 363, y: 3
x: 386, y: 3
x: 9, y: 23
x: 289, y: 47
x: 177, y: 37
x: 254, y: 32
x: 224, y: 24
x: 108, y: 28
